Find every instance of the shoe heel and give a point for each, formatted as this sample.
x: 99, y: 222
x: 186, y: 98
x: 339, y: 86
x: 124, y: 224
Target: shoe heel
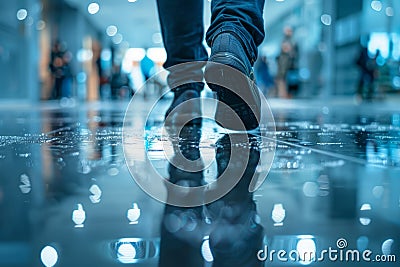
x: 237, y: 91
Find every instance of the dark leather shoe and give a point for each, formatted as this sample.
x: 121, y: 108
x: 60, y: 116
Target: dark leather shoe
x: 185, y: 108
x: 229, y: 74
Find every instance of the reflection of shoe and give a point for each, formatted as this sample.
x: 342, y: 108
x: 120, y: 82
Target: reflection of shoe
x: 243, y: 160
x: 237, y: 234
x: 186, y: 166
x: 242, y: 95
x: 185, y: 106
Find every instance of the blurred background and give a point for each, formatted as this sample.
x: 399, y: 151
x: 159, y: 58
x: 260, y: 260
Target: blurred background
x: 85, y: 50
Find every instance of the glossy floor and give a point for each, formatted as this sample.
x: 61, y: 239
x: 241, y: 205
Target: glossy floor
x: 67, y: 196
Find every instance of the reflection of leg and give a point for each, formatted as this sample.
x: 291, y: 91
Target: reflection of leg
x: 181, y: 238
x: 182, y: 229
x: 237, y: 234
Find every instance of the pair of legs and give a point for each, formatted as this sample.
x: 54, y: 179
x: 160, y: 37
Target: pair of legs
x: 235, y: 32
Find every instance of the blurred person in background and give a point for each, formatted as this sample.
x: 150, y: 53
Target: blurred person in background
x: 263, y: 76
x: 147, y: 67
x: 283, y: 63
x: 383, y: 78
x: 368, y: 72
x: 60, y: 70
x: 287, y: 77
x: 120, y: 84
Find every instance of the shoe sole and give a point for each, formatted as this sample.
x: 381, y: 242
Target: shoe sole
x: 246, y: 103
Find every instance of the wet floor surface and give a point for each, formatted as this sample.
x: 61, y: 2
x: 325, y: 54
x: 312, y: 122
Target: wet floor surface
x: 67, y: 197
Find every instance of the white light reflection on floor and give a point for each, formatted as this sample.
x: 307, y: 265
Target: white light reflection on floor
x: 363, y: 219
x: 96, y: 193
x: 25, y: 185
x: 306, y: 249
x: 134, y: 250
x: 206, y: 251
x: 387, y: 247
x: 133, y: 214
x: 278, y: 214
x: 79, y: 216
x: 49, y: 256
x: 126, y: 253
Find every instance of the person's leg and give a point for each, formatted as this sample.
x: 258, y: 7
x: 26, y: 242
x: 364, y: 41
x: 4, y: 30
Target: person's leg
x: 360, y: 85
x: 282, y: 88
x: 370, y: 86
x: 182, y: 30
x: 57, y: 88
x: 236, y: 30
x: 243, y: 20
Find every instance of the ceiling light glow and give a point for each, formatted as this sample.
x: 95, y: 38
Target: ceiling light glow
x: 22, y: 14
x: 93, y: 8
x: 111, y: 30
x: 376, y: 5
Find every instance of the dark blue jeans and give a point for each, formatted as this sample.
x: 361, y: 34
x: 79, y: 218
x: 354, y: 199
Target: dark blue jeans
x: 182, y: 27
